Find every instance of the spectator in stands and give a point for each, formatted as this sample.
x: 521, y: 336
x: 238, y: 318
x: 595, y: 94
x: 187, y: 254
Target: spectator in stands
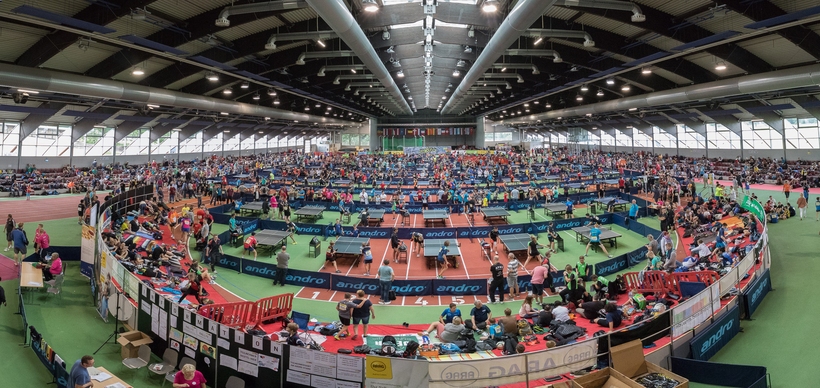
x: 613, y: 317
x: 560, y: 312
x: 194, y: 288
x: 446, y: 332
x: 8, y: 229
x: 480, y: 316
x: 527, y: 310
x: 509, y: 323
x: 41, y: 241
x: 282, y: 260
x: 20, y: 241
x: 189, y: 377
x: 670, y: 261
x: 361, y: 314
x: 386, y: 277
x: 512, y: 275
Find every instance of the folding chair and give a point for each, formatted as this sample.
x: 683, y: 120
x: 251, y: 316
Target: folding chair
x: 303, y: 321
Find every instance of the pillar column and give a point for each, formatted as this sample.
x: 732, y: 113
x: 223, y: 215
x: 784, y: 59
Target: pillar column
x: 479, y: 132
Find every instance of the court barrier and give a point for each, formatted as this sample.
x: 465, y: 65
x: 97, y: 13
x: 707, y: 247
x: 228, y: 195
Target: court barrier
x: 243, y: 315
x: 724, y: 375
x: 232, y: 314
x: 658, y: 282
x: 272, y: 308
x: 706, y: 277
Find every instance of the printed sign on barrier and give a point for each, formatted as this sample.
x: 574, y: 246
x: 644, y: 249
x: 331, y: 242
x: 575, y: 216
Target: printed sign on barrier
x: 459, y: 287
x: 561, y: 360
x: 710, y: 340
x: 478, y: 373
x: 756, y: 292
x: 611, y: 266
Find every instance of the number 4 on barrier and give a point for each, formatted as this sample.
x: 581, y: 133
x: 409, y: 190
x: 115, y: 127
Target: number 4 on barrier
x: 458, y: 299
x: 421, y: 301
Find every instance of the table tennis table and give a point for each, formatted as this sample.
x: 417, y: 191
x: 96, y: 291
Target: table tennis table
x: 495, y: 215
x: 432, y: 217
x: 516, y: 243
x: 374, y: 217
x: 342, y: 182
x: 270, y: 240
x: 312, y: 213
x: 555, y: 209
x: 312, y: 181
x: 251, y: 207
x: 432, y: 248
x: 350, y: 248
x: 607, y: 236
x: 618, y: 204
x: 241, y: 176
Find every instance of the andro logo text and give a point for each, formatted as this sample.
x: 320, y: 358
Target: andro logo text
x: 442, y: 233
x: 763, y: 285
x: 462, y: 288
x: 305, y: 279
x: 372, y: 233
x: 612, y: 268
x: 308, y: 229
x: 356, y: 286
x: 716, y: 337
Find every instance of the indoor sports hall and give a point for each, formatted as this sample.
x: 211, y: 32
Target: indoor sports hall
x: 408, y: 193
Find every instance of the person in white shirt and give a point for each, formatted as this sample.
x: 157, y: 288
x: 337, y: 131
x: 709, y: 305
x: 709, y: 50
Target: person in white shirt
x: 383, y: 197
x: 363, y: 197
x: 560, y: 312
x: 702, y: 250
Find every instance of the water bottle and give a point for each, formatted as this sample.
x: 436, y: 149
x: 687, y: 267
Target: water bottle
x: 425, y: 340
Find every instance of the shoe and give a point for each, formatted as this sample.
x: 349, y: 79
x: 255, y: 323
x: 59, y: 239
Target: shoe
x: 380, y: 302
x: 386, y: 302
x: 294, y: 243
x: 337, y: 271
x: 355, y: 337
x: 336, y: 337
x: 6, y: 250
x: 609, y: 256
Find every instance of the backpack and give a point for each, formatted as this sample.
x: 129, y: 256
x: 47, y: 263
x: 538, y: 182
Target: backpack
x: 362, y: 349
x: 329, y: 329
x: 510, y: 343
x: 388, y: 346
x: 487, y: 344
x: 449, y: 348
x: 469, y: 346
x: 640, y: 301
x: 524, y: 328
x: 391, y: 295
x: 411, y: 349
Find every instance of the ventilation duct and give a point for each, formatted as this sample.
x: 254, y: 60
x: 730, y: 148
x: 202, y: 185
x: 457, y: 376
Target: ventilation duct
x: 637, y: 14
x: 517, y: 66
x: 339, y: 68
x: 323, y: 54
x: 58, y: 82
x: 313, y: 35
x: 522, y: 16
x: 222, y: 20
x: 751, y: 84
x: 550, y: 33
x: 556, y: 58
x: 338, y: 18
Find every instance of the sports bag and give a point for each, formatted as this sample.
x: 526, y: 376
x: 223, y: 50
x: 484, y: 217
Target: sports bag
x: 362, y: 349
x: 388, y: 346
x: 411, y: 349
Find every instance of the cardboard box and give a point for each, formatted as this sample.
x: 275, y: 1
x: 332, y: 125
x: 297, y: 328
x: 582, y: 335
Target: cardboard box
x: 629, y: 360
x: 131, y: 342
x: 605, y: 378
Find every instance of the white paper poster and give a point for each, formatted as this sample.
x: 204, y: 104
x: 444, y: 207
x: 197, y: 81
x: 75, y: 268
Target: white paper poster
x: 190, y: 353
x: 163, y: 324
x: 269, y: 362
x: 349, y: 368
x: 155, y: 319
x: 298, y: 378
x: 223, y: 343
x: 248, y: 368
x: 249, y: 356
x: 227, y: 361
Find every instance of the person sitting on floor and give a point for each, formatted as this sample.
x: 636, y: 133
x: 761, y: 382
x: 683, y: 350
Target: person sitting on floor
x: 526, y: 310
x: 446, y: 332
x: 613, y: 317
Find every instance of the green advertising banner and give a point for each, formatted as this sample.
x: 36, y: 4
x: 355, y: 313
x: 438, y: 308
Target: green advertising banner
x: 753, y: 206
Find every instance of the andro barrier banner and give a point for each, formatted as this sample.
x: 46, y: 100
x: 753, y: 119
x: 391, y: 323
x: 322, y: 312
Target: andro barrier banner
x: 709, y: 341
x: 756, y: 292
x: 611, y: 266
x: 426, y: 150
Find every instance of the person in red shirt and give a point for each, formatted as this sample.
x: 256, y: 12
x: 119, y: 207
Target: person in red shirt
x: 250, y: 245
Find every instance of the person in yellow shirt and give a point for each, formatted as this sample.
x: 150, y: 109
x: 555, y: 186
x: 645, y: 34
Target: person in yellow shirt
x: 719, y: 191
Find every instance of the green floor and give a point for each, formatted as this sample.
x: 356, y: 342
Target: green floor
x: 73, y: 327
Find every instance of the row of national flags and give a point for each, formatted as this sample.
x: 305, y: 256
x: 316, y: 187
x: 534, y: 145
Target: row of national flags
x: 438, y: 131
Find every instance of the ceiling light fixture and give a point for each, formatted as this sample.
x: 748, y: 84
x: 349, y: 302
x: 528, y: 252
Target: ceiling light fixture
x: 720, y: 66
x: 579, y: 98
x: 211, y: 76
x: 503, y: 69
x: 490, y: 6
x: 352, y: 70
x: 227, y: 91
x: 633, y: 109
x: 223, y: 113
x: 370, y: 5
x: 320, y: 43
x: 271, y: 92
x: 538, y: 41
x: 600, y: 93
x: 646, y: 70
x: 276, y: 102
x: 610, y: 81
x: 256, y: 96
x: 400, y: 74
x: 456, y: 73
x: 584, y: 88
x: 137, y: 71
x: 625, y: 88
x: 245, y: 85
